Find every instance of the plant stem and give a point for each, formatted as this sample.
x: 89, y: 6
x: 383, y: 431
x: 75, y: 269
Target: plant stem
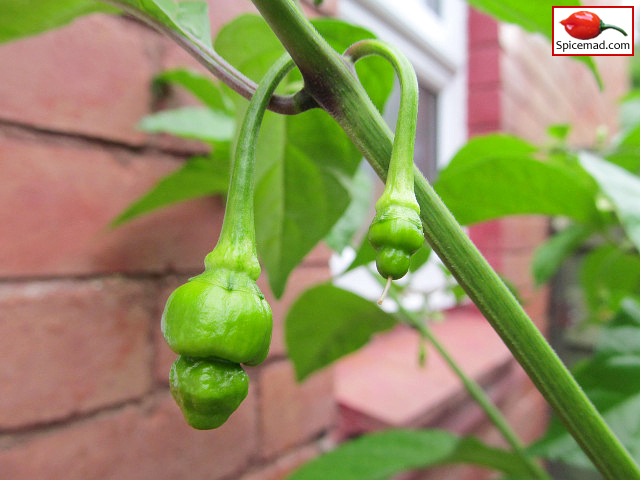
x: 476, y: 392
x: 399, y: 184
x: 236, y: 246
x: 218, y: 66
x: 334, y: 87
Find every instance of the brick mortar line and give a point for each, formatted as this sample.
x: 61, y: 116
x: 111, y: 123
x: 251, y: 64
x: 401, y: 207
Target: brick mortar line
x: 25, y: 131
x: 160, y: 275
x: 139, y: 276
x: 16, y: 436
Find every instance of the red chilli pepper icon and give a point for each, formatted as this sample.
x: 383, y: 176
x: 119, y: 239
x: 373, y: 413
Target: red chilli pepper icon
x: 585, y: 25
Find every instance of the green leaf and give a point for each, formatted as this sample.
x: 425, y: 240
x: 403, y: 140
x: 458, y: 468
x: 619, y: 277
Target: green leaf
x: 199, y: 177
x: 626, y: 153
x: 559, y: 131
x: 375, y: 74
x: 379, y: 456
x: 591, y: 65
x: 305, y: 163
x: 622, y: 188
x: 343, y: 231
x: 189, y: 18
x: 549, y: 256
x: 607, y: 276
x: 194, y: 123
x: 326, y: 323
x: 534, y: 17
x: 200, y: 86
x: 630, y: 110
x: 365, y: 254
x: 419, y: 258
x: 611, y: 379
x: 496, y: 175
x: 21, y: 18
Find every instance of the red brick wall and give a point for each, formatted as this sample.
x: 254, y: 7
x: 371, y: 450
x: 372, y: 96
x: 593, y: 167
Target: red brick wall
x: 85, y: 369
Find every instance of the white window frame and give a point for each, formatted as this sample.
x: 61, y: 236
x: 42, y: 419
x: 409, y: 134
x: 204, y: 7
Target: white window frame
x: 436, y: 45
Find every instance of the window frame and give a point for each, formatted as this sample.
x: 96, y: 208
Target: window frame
x: 436, y: 45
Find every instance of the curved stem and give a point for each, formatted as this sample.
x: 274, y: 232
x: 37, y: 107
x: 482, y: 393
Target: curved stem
x: 478, y: 394
x: 237, y: 242
x: 400, y: 174
x: 605, y: 26
x: 218, y: 66
x: 335, y: 88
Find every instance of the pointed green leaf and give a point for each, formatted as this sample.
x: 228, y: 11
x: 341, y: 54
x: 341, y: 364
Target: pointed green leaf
x: 200, y: 86
x: 497, y: 175
x: 21, y: 18
x: 419, y: 258
x: 622, y: 188
x: 326, y: 323
x: 305, y: 163
x: 189, y: 18
x: 626, y: 152
x: 630, y: 110
x: 365, y: 254
x: 194, y: 123
x: 379, y: 456
x: 549, y: 256
x: 199, y: 177
x: 607, y: 276
x: 534, y: 17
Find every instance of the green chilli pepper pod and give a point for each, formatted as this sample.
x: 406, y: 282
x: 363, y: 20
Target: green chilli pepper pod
x: 220, y: 318
x: 396, y: 230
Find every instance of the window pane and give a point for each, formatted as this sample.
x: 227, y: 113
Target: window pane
x: 425, y: 155
x: 426, y: 140
x: 433, y: 5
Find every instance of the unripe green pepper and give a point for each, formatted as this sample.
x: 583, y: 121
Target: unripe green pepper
x: 220, y: 319
x: 396, y: 234
x: 396, y: 230
x: 220, y: 313
x: 207, y: 391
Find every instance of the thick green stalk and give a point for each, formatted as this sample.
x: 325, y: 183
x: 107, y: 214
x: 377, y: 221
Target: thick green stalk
x: 477, y: 393
x: 333, y: 86
x: 236, y: 247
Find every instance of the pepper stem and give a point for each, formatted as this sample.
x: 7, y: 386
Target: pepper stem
x: 399, y: 184
x: 385, y: 291
x: 604, y: 26
x: 236, y: 247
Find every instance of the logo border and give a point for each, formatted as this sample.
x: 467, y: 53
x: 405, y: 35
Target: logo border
x: 553, y: 40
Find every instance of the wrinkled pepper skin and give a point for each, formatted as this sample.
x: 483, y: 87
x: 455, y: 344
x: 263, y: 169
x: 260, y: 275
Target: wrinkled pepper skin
x: 220, y: 313
x: 207, y: 391
x: 396, y: 234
